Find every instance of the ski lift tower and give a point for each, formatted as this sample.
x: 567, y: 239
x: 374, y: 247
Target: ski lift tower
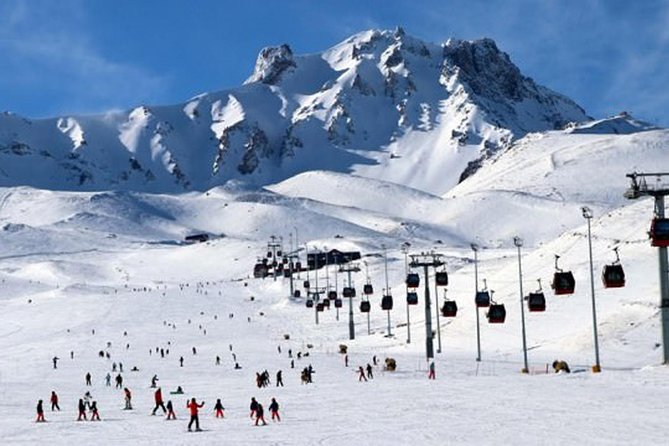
x: 349, y: 268
x: 427, y: 260
x: 640, y: 187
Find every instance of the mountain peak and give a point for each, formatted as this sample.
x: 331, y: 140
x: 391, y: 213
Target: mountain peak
x: 271, y: 63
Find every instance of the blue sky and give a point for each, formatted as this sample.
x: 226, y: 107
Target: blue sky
x: 78, y: 56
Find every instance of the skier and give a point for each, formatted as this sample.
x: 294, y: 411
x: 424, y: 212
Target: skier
x: 170, y: 411
x: 158, y: 398
x: 361, y: 374
x: 279, y: 379
x: 193, y: 406
x: 40, y: 413
x: 260, y: 415
x: 431, y: 374
x: 128, y: 399
x: 181, y: 361
x: 120, y: 367
x: 113, y: 367
x: 55, y: 362
x: 345, y: 360
x: 154, y: 380
x: 94, y: 411
x: 88, y: 379
x: 194, y: 351
x: 274, y: 410
x: 108, y: 380
x: 374, y: 360
x: 218, y: 360
x: 119, y: 381
x: 54, y: 401
x: 370, y: 375
x: 87, y: 399
x: 253, y: 407
x: 82, y: 410
x: 219, y: 409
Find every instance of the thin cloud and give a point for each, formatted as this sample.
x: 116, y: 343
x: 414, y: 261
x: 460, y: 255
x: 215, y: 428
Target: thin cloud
x: 37, y: 51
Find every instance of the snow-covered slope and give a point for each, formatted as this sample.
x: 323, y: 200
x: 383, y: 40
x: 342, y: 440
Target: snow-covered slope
x: 378, y: 104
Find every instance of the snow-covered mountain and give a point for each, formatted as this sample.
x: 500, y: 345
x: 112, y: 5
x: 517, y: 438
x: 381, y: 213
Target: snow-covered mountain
x: 379, y: 104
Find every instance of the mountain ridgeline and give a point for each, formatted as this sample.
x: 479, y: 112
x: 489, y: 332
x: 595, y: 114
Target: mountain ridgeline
x: 368, y: 104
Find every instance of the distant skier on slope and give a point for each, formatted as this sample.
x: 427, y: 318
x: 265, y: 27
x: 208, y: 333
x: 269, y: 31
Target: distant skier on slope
x: 274, y: 410
x: 54, y: 401
x: 431, y: 374
x: 218, y: 409
x: 40, y: 413
x: 361, y: 374
x: 260, y: 415
x: 95, y: 415
x: 253, y: 407
x: 158, y: 398
x: 170, y: 411
x: 82, y: 410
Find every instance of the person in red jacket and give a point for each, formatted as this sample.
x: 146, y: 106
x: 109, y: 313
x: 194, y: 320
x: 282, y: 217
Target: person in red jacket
x: 158, y: 397
x: 54, y: 401
x: 193, y: 406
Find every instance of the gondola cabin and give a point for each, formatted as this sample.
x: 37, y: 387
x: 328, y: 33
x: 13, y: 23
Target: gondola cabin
x: 365, y: 306
x: 387, y: 302
x: 338, y: 303
x: 298, y: 266
x: 449, y: 309
x: 412, y: 298
x: 563, y: 283
x: 536, y: 302
x: 319, y: 307
x: 441, y: 277
x: 297, y: 293
x: 286, y: 273
x: 269, y: 254
x: 306, y: 284
x: 368, y: 289
x: 496, y: 314
x: 348, y: 292
x: 326, y: 302
x: 413, y: 280
x: 613, y: 276
x: 279, y: 253
x: 482, y: 299
x: 309, y: 303
x: 332, y: 294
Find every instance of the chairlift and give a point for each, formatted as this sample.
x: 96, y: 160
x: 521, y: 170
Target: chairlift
x: 368, y: 289
x: 441, y: 277
x: 332, y: 294
x: 319, y: 307
x: 496, y: 313
x: 306, y: 284
x: 563, y: 281
x: 348, y: 292
x: 365, y: 306
x: 310, y: 303
x: 613, y: 275
x: 297, y: 293
x: 338, y: 303
x: 449, y: 309
x: 412, y: 298
x: 387, y: 302
x: 413, y: 280
x: 537, y: 301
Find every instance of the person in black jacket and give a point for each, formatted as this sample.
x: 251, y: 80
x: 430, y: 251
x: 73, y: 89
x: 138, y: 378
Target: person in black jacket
x: 253, y: 407
x: 82, y: 410
x: 40, y: 412
x: 274, y: 410
x: 218, y: 409
x: 260, y: 415
x: 94, y: 411
x: 170, y: 411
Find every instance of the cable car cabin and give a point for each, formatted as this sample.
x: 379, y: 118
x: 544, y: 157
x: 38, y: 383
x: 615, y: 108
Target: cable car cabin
x: 441, y: 278
x: 348, y: 292
x: 297, y: 293
x: 413, y: 280
x: 326, y: 302
x: 387, y: 303
x: 536, y: 302
x: 449, y: 309
x: 260, y: 271
x: 338, y: 303
x: 319, y: 307
x: 306, y: 284
x: 365, y: 306
x: 332, y: 295
x: 482, y: 299
x: 412, y: 298
x: 368, y: 289
x: 613, y: 276
x: 310, y: 303
x: 563, y: 282
x: 496, y: 314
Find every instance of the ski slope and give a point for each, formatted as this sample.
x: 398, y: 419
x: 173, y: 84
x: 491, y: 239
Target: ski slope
x: 115, y: 262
